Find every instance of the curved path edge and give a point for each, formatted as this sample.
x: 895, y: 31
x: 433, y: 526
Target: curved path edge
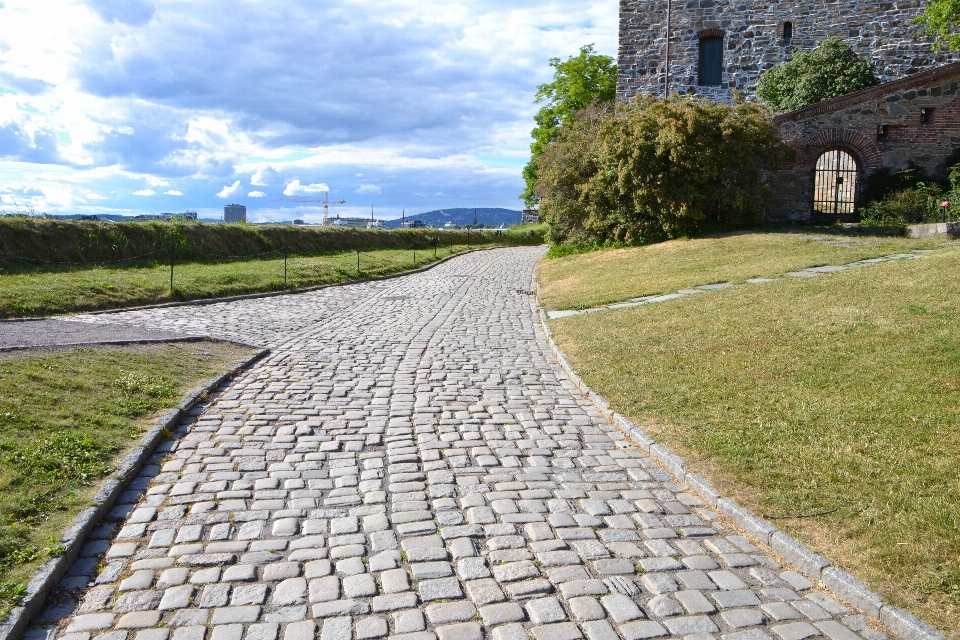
x: 50, y: 573
x: 814, y: 566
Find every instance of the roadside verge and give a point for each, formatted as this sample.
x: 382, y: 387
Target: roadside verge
x: 73, y: 539
x: 816, y: 567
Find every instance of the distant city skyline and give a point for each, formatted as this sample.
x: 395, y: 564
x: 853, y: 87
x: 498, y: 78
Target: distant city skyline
x: 143, y: 106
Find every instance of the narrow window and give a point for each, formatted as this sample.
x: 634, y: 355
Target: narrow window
x: 711, y: 61
x: 926, y: 115
x: 787, y: 30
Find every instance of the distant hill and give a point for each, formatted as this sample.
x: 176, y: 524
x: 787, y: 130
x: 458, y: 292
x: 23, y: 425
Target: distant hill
x: 487, y: 217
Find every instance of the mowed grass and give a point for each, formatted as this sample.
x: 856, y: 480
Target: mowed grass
x: 806, y: 395
x: 612, y: 275
x: 36, y: 293
x: 66, y: 418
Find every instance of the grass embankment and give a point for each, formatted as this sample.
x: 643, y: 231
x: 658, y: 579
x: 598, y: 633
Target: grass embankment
x: 66, y: 418
x: 808, y: 395
x: 33, y: 284
x: 602, y: 277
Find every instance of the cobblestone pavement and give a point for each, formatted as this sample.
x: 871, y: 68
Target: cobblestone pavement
x: 410, y: 462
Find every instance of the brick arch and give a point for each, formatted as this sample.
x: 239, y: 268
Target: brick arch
x: 864, y: 149
x: 711, y: 33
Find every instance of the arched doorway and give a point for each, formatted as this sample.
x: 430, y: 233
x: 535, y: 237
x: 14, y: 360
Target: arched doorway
x: 835, y: 183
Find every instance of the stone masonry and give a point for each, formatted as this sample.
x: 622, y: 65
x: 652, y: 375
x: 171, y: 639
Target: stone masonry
x: 410, y: 462
x: 915, y: 119
x: 752, y: 32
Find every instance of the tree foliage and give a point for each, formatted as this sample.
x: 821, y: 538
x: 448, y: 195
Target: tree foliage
x: 577, y: 83
x: 635, y: 173
x: 941, y: 19
x: 832, y: 69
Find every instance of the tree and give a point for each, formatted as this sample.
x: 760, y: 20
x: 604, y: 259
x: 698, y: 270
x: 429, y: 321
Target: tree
x: 832, y: 69
x: 577, y: 83
x: 649, y: 170
x: 941, y: 19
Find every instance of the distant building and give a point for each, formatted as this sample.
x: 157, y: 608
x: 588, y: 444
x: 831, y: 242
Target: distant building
x: 530, y: 216
x: 186, y: 216
x: 376, y: 224
x: 233, y: 213
x: 359, y: 223
x: 450, y: 225
x: 412, y: 224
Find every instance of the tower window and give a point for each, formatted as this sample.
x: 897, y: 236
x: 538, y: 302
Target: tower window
x: 711, y: 61
x: 787, y: 30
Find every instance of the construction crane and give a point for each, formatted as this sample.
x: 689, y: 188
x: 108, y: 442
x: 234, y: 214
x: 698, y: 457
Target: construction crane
x: 326, y: 204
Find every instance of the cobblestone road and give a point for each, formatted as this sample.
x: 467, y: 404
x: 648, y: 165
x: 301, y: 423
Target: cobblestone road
x: 410, y: 462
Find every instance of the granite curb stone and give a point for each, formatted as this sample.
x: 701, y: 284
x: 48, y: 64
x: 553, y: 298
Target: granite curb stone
x: 817, y: 567
x: 50, y: 573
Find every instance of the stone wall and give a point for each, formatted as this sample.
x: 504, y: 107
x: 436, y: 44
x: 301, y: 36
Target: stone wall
x: 852, y: 123
x: 753, y: 42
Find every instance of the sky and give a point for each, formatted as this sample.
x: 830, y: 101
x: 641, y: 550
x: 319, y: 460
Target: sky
x: 149, y: 106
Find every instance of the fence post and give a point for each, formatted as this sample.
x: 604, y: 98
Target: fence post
x: 358, y: 261
x: 284, y: 266
x: 171, y: 267
x: 414, y: 256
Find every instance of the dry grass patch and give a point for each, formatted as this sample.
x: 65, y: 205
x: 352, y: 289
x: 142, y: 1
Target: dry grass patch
x: 66, y: 418
x: 612, y: 275
x: 802, y: 396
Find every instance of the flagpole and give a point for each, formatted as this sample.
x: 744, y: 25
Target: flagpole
x: 666, y: 84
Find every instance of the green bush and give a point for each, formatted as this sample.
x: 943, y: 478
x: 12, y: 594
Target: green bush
x: 651, y: 170
x: 832, y: 69
x: 909, y: 196
x: 578, y: 82
x: 916, y: 205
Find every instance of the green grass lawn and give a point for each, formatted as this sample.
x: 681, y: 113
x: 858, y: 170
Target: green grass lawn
x: 66, y: 418
x: 35, y: 293
x: 612, y: 275
x: 806, y: 395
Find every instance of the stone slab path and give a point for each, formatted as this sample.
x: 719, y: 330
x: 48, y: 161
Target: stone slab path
x: 811, y: 272
x: 410, y: 462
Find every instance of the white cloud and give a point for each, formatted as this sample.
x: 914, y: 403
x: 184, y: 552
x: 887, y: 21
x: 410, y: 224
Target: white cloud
x: 295, y: 188
x: 95, y: 196
x: 256, y: 194
x: 144, y: 192
x: 173, y: 192
x: 228, y: 191
x: 122, y: 92
x: 369, y: 188
x: 264, y: 177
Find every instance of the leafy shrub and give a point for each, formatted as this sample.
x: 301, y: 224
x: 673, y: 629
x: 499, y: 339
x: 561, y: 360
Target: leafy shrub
x: 886, y: 181
x: 578, y: 82
x: 915, y: 205
x: 650, y: 170
x: 909, y: 196
x: 832, y: 69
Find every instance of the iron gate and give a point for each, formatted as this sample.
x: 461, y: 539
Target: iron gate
x: 835, y: 183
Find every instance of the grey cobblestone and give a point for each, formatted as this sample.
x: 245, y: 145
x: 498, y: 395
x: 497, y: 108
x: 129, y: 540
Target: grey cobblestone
x: 410, y: 447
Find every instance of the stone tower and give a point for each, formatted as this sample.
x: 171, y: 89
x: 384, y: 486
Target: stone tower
x: 718, y: 46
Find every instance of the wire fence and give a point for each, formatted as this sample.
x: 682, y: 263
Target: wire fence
x: 179, y: 253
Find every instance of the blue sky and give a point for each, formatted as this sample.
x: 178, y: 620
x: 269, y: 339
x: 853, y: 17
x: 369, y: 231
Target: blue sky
x: 138, y: 106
